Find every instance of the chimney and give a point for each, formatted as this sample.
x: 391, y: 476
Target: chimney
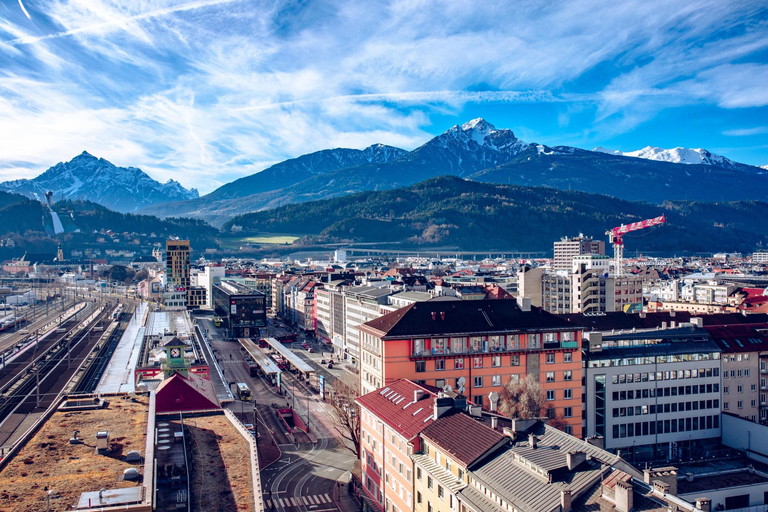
x: 573, y: 459
x: 704, y: 504
x: 417, y: 394
x: 642, y: 314
x: 524, y: 303
x: 532, y: 441
x: 519, y: 426
x: 663, y: 325
x: 442, y: 315
x: 623, y: 497
x: 565, y: 500
x: 672, y: 324
x: 493, y: 398
x: 494, y: 422
x: 666, y: 476
x: 697, y: 321
x: 442, y: 406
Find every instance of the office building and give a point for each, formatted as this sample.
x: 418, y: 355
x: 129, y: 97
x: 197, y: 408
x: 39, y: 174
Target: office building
x: 177, y: 264
x: 242, y: 308
x: 566, y: 248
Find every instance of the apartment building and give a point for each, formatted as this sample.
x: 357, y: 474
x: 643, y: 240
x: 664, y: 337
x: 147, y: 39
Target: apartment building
x: 361, y: 304
x: 653, y: 395
x: 331, y: 314
x: 450, y: 445
x: 391, y: 419
x: 566, y: 248
x: 476, y: 348
x: 744, y: 379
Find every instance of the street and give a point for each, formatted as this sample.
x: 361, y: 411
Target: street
x: 305, y: 476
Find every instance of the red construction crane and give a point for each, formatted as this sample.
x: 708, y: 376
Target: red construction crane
x: 615, y: 236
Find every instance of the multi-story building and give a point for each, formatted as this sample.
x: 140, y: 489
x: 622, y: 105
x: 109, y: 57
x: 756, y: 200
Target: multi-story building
x: 391, y: 419
x: 196, y: 297
x: 760, y: 257
x: 476, y: 348
x: 243, y: 309
x: 450, y: 445
x: 331, y: 313
x: 361, y: 304
x: 209, y: 277
x: 566, y: 248
x: 177, y: 266
x: 744, y: 384
x: 585, y: 288
x: 653, y: 395
x: 304, y: 305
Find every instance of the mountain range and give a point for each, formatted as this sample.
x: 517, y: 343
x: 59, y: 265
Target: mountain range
x: 480, y: 152
x: 122, y: 189
x: 452, y: 213
x: 476, y: 150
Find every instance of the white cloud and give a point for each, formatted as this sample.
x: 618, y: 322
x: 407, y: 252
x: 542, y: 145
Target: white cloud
x: 210, y: 90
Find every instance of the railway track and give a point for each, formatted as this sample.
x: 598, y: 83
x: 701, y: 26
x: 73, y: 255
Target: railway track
x: 40, y: 384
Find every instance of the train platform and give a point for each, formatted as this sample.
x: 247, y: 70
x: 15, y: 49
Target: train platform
x: 119, y: 375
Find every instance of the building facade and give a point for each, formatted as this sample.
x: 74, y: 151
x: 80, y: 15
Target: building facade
x: 177, y: 263
x: 476, y: 348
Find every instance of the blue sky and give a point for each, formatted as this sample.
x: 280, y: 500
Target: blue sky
x: 210, y: 90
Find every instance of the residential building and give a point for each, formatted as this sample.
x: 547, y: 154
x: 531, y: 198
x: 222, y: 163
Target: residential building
x: 476, y: 348
x: 743, y: 367
x: 391, y: 419
x: 653, y: 395
x: 566, y: 248
x: 361, y: 304
x: 331, y: 313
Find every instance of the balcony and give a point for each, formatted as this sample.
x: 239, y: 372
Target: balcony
x: 444, y: 352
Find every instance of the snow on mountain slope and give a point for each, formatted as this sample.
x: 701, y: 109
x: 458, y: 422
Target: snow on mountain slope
x: 123, y: 189
x: 679, y: 155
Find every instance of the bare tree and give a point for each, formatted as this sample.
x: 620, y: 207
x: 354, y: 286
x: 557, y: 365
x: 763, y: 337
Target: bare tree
x: 522, y: 399
x: 345, y: 414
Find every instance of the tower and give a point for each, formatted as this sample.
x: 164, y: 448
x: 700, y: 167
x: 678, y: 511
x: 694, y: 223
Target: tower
x: 177, y: 263
x: 174, y: 354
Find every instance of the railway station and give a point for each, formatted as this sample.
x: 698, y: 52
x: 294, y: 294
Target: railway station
x: 265, y: 364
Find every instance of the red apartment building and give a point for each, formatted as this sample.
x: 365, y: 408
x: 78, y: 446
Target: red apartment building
x: 478, y: 346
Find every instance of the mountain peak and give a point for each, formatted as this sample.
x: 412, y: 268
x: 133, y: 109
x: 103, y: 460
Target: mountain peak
x: 85, y: 154
x: 478, y: 124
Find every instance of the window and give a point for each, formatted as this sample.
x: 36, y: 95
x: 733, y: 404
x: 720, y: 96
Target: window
x: 458, y: 363
x: 753, y: 387
x: 496, y: 361
x: 477, y: 382
x: 421, y: 366
x: 725, y: 390
x: 429, y: 482
x: 514, y: 360
x: 418, y: 473
x: 568, y: 375
x: 754, y: 403
x: 496, y: 380
x: 439, y: 383
x: 550, y: 376
x: 739, y: 389
x: 567, y: 394
x: 725, y: 406
x: 740, y: 404
x: 418, y: 496
x: 568, y: 429
x: 477, y: 362
x: 550, y: 358
x: 568, y: 412
x: 567, y: 357
x: 461, y: 474
x: 439, y: 364
x: 439, y: 491
x: 550, y: 395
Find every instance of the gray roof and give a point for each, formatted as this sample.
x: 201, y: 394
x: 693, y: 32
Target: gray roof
x: 442, y: 475
x: 532, y: 492
x: 689, y: 341
x: 478, y: 501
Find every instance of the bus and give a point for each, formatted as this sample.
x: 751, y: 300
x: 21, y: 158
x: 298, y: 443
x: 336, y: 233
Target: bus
x: 243, y: 391
x: 263, y: 343
x: 217, y: 321
x: 288, y: 338
x: 251, y: 366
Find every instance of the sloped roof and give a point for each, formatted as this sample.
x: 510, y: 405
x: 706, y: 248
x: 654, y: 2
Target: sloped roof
x: 652, y: 320
x: 462, y: 437
x: 394, y: 406
x: 179, y: 393
x: 740, y: 338
x: 459, y: 317
x: 173, y: 341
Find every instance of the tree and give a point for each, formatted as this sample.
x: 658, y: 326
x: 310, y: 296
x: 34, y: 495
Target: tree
x: 345, y: 414
x: 522, y: 399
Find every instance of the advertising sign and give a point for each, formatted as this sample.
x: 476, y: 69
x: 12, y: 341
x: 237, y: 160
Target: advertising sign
x: 322, y: 387
x: 279, y: 381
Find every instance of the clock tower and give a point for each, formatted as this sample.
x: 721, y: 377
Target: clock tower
x: 174, y: 356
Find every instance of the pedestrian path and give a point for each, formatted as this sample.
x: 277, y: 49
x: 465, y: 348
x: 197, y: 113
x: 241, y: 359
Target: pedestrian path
x: 314, y: 499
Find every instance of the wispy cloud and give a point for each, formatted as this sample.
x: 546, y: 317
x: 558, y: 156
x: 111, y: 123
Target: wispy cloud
x: 210, y: 90
x: 746, y: 132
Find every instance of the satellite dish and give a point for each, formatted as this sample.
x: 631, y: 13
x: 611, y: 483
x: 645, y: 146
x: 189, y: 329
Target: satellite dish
x: 461, y: 381
x: 460, y: 390
x: 447, y: 388
x: 493, y: 396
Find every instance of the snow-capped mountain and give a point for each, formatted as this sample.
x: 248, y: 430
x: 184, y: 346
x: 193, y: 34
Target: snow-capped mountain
x: 123, y: 189
x: 474, y: 145
x: 696, y: 156
x: 764, y: 167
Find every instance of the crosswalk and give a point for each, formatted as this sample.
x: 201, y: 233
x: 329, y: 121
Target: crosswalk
x: 315, y: 499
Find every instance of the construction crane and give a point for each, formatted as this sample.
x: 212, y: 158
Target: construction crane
x: 615, y: 235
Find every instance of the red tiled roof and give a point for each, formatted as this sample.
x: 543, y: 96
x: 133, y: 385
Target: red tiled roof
x: 740, y: 337
x: 394, y: 406
x: 464, y: 438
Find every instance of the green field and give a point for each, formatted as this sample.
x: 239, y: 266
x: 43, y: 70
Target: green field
x: 270, y: 239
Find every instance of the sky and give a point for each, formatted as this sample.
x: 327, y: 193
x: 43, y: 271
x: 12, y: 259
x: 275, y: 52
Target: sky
x: 207, y: 91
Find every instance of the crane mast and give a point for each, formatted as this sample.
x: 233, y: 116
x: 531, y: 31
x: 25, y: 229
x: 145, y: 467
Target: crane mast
x: 615, y: 236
